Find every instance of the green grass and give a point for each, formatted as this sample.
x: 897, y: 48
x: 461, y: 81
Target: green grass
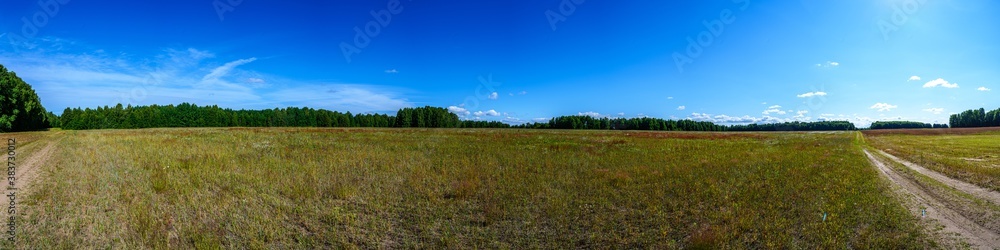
x: 455, y: 188
x: 974, y: 158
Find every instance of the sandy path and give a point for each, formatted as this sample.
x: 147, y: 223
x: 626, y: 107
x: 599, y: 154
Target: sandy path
x: 27, y: 170
x: 953, y: 222
x: 978, y: 192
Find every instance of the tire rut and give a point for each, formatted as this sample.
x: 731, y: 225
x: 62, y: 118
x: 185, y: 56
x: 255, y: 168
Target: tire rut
x: 27, y: 171
x: 952, y: 221
x: 969, y: 188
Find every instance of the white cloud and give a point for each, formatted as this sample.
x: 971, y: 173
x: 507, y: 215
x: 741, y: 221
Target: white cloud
x: 828, y: 64
x: 936, y: 111
x: 255, y: 80
x: 983, y: 89
x: 883, y: 107
x: 812, y: 94
x: 914, y: 78
x: 776, y: 109
x: 725, y: 119
x: 391, y: 71
x: 486, y: 113
x: 670, y: 98
x: 801, y: 115
x: 540, y: 119
x: 621, y: 113
x: 681, y: 108
x: 458, y: 110
x: 523, y: 92
x: 591, y: 114
x: 493, y: 96
x: 940, y: 82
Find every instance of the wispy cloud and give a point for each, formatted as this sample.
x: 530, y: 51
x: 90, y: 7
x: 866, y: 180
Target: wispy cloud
x: 914, y: 78
x: 681, y: 108
x: 336, y: 96
x: 984, y: 89
x: 883, y: 107
x: 181, y: 75
x: 391, y: 71
x: 940, y: 82
x: 215, y: 77
x: 812, y: 94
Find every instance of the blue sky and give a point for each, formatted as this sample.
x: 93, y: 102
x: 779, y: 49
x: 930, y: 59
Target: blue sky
x: 729, y: 62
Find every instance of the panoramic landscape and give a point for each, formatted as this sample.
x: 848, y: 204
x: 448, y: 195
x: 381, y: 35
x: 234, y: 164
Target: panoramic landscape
x: 557, y: 124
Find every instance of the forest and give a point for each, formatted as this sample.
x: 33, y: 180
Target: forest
x: 605, y: 123
x: 904, y: 124
x: 975, y: 118
x: 191, y: 115
x: 796, y: 126
x: 20, y: 107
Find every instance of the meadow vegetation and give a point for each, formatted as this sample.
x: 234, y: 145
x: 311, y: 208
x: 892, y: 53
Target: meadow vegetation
x: 462, y: 188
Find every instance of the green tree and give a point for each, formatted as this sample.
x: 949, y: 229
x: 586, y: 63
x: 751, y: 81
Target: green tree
x: 20, y: 107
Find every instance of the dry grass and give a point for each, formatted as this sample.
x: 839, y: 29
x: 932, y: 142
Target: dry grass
x: 462, y: 188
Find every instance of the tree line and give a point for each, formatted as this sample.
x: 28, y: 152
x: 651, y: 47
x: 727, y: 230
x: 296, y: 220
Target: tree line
x: 975, y: 118
x: 796, y: 126
x: 648, y: 123
x: 20, y: 107
x: 191, y: 115
x: 605, y: 123
x: 904, y: 124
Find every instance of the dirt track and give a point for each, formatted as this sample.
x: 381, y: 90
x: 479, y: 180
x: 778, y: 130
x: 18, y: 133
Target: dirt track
x: 28, y: 169
x: 952, y: 221
x: 978, y: 192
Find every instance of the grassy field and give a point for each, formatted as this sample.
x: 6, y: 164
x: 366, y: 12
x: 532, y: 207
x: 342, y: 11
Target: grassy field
x: 454, y: 188
x: 971, y: 155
